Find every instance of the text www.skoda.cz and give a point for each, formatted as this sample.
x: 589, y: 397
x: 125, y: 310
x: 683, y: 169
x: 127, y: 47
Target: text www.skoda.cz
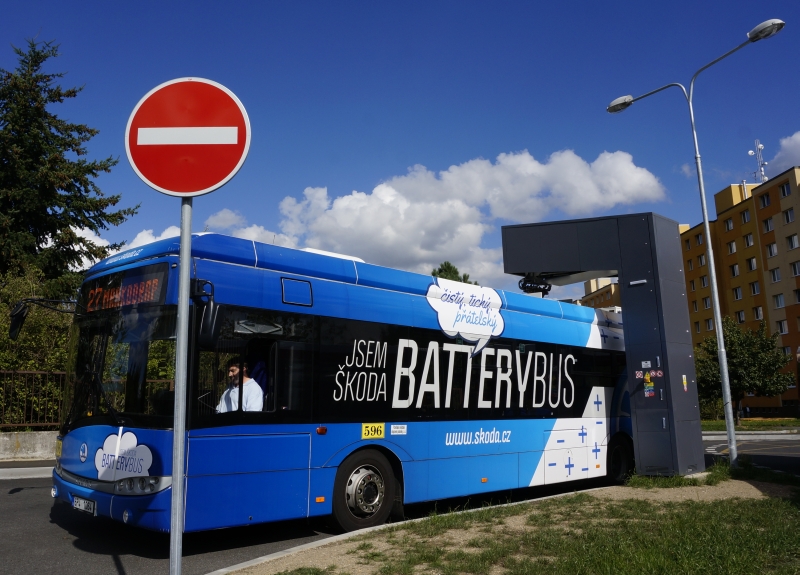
x: 479, y: 437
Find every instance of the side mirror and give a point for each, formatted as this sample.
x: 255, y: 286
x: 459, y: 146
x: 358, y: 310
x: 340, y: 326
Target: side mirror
x: 208, y: 332
x: 18, y: 315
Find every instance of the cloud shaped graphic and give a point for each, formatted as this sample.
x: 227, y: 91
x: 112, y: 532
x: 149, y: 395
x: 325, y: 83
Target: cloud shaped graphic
x: 469, y: 310
x: 121, y: 457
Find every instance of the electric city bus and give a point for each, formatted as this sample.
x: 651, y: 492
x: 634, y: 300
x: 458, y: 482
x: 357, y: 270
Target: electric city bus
x: 321, y: 385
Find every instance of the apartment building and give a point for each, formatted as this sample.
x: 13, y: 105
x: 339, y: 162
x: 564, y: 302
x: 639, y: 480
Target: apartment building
x: 756, y: 244
x: 600, y: 293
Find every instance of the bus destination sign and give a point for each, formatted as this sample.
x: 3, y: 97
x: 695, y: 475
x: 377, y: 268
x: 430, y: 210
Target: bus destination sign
x: 140, y: 286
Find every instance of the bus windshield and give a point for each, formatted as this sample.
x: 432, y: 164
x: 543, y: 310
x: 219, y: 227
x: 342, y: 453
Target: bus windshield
x: 122, y: 366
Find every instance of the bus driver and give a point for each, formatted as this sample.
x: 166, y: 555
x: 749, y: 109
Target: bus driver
x: 253, y: 396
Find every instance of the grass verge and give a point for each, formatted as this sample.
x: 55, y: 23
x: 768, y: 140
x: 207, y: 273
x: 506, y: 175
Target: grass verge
x: 584, y: 534
x: 752, y: 424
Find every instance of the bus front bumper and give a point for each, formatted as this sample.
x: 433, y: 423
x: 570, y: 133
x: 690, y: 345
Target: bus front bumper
x: 146, y: 511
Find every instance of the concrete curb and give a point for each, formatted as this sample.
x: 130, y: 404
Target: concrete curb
x: 345, y: 536
x: 752, y: 436
x: 26, y: 473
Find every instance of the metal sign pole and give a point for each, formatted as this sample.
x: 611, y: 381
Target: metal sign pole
x: 179, y: 426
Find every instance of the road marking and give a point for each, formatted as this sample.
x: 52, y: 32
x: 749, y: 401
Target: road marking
x: 194, y: 135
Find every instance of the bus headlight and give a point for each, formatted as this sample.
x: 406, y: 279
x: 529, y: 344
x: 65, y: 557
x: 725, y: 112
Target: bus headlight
x: 142, y: 485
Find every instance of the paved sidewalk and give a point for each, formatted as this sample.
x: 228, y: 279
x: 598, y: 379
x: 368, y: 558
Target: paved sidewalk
x: 27, y: 469
x: 777, y: 435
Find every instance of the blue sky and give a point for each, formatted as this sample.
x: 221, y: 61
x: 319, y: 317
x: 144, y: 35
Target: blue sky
x: 408, y: 133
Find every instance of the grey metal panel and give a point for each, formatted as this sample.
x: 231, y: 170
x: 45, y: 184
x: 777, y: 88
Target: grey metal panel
x: 676, y: 312
x: 653, y: 446
x: 541, y: 247
x: 668, y: 245
x: 647, y: 247
x: 653, y: 419
x: 599, y: 245
x: 691, y: 457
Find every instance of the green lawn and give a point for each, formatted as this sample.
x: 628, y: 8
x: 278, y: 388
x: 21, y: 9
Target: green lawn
x: 580, y: 534
x: 752, y: 424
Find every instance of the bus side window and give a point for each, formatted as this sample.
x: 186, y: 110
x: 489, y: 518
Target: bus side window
x: 289, y: 382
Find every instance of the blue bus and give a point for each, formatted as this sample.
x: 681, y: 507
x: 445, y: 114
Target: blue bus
x: 322, y: 385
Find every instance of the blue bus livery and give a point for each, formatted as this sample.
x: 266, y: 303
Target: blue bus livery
x: 323, y: 385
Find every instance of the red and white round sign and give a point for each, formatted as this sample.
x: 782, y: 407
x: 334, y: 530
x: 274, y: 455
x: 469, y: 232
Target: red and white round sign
x: 187, y: 137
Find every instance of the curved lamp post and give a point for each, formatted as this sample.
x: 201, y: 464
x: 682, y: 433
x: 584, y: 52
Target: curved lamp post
x: 760, y: 32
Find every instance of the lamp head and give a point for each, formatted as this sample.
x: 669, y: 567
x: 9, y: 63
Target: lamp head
x: 766, y: 29
x: 751, y: 153
x: 619, y: 104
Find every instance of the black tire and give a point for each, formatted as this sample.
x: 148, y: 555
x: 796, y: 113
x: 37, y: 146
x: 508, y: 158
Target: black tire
x: 619, y: 460
x: 364, y: 491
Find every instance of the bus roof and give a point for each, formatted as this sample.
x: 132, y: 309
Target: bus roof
x: 249, y: 253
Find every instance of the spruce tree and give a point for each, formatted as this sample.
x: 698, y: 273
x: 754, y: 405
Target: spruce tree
x: 47, y: 183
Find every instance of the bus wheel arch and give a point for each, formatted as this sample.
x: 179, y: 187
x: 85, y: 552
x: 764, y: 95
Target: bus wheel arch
x: 366, y: 488
x: 620, y: 463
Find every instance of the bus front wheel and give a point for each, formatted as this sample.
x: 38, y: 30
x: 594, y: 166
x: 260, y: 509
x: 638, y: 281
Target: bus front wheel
x: 364, y: 491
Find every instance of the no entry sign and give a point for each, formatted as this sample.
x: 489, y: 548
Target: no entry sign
x: 187, y: 137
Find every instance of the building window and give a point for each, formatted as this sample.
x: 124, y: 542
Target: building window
x: 768, y: 226
x: 758, y: 313
x: 772, y: 250
x: 698, y: 239
x: 764, y: 200
x: 748, y: 240
x: 740, y: 316
x: 745, y: 216
x: 694, y: 304
x: 775, y: 274
x: 732, y: 247
x: 706, y: 303
x: 783, y: 326
x: 752, y: 264
x: 690, y: 265
x: 778, y: 301
x: 691, y: 285
x: 788, y: 216
x: 728, y: 225
x: 697, y: 327
x: 703, y: 281
x: 701, y: 260
x: 688, y: 244
x: 787, y: 350
x: 709, y: 324
x: 754, y: 288
x: 737, y: 294
x: 785, y: 190
x: 734, y: 270
x: 792, y: 243
x: 795, y: 268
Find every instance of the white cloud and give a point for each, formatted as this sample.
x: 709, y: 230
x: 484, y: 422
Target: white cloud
x: 418, y: 220
x: 687, y: 170
x: 225, y: 219
x: 788, y: 155
x: 147, y: 237
x: 86, y: 263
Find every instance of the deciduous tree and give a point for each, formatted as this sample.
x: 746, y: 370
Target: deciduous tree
x: 754, y: 364
x: 448, y: 271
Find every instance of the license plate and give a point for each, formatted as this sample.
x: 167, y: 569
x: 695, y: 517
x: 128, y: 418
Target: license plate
x: 82, y: 504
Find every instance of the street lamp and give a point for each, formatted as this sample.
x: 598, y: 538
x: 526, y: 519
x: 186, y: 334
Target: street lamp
x: 760, y: 32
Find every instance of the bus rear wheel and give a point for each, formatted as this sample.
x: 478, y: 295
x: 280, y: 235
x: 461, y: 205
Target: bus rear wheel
x: 620, y: 460
x: 364, y: 491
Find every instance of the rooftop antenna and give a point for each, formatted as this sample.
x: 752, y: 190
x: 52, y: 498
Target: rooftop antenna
x: 759, y: 175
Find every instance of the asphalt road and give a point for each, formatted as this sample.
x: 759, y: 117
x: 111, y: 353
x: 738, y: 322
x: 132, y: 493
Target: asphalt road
x: 775, y: 454
x: 39, y: 537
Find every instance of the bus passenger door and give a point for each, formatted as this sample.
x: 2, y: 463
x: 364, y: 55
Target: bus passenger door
x: 240, y: 479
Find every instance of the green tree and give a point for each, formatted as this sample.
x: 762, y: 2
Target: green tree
x: 42, y: 343
x: 448, y: 271
x: 754, y: 364
x: 47, y: 188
